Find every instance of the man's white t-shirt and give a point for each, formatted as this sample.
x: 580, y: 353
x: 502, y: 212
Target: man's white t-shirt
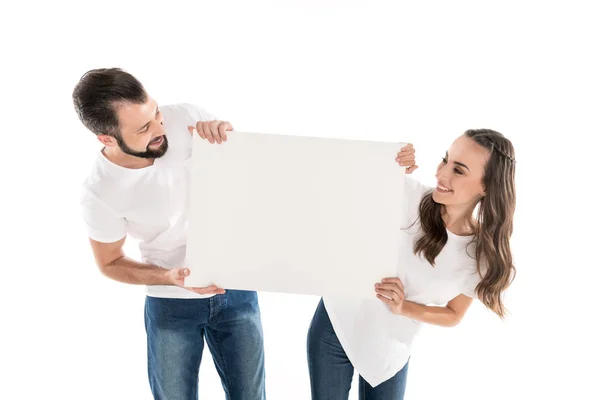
x: 378, y: 342
x: 149, y: 204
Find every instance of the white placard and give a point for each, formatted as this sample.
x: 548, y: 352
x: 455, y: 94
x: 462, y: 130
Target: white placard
x: 294, y: 214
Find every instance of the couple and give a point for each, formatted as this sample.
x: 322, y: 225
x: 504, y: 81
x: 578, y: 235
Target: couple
x: 456, y: 248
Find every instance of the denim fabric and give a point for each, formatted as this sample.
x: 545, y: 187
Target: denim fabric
x: 231, y: 326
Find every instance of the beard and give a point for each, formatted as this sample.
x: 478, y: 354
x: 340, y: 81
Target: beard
x: 149, y: 153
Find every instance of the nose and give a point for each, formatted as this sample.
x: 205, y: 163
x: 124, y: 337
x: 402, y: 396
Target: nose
x: 160, y: 126
x: 442, y: 173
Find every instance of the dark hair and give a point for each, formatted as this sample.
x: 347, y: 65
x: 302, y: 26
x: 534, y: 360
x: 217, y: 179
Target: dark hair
x: 99, y: 92
x: 494, y: 221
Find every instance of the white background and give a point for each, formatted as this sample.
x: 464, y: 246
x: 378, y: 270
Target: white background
x: 419, y: 71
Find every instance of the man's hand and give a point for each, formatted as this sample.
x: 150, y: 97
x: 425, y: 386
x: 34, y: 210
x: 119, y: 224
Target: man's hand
x: 391, y: 292
x: 213, y: 131
x: 406, y: 158
x: 176, y: 276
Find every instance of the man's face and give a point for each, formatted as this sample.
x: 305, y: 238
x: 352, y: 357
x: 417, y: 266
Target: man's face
x: 142, y: 132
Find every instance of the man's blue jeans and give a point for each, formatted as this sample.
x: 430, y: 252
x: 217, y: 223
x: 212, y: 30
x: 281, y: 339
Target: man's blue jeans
x: 176, y: 330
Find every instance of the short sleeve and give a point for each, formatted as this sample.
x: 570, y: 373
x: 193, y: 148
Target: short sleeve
x: 103, y: 224
x: 414, y: 191
x: 177, y: 118
x: 196, y: 114
x: 470, y: 284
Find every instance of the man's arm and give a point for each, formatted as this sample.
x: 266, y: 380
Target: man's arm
x: 113, y: 263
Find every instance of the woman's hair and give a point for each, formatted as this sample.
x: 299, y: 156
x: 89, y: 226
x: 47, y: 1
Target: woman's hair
x: 494, y: 221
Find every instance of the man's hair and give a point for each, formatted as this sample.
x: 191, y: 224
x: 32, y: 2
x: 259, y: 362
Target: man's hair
x: 98, y: 94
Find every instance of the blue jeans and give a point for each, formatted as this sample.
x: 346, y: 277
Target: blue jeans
x: 176, y: 330
x: 331, y: 372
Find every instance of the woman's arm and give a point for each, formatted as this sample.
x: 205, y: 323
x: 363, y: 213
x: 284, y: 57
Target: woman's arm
x: 391, y: 292
x: 447, y: 316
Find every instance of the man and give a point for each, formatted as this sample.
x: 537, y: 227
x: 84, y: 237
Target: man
x: 139, y: 186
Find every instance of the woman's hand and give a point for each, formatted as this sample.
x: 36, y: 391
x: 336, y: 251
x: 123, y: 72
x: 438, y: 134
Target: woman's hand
x: 391, y: 292
x: 406, y: 158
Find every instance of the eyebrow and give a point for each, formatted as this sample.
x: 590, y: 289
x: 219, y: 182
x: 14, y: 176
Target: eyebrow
x: 147, y: 123
x: 458, y: 163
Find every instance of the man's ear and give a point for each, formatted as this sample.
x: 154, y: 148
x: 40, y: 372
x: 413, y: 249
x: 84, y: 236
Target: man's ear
x: 107, y: 140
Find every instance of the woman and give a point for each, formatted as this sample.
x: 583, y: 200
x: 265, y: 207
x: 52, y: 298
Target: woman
x: 455, y: 247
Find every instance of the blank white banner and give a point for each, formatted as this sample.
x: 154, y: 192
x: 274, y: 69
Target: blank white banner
x: 294, y: 214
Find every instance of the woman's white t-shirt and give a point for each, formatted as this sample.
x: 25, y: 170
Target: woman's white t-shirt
x: 378, y: 342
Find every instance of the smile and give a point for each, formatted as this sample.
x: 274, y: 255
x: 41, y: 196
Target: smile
x: 156, y: 141
x: 443, y: 189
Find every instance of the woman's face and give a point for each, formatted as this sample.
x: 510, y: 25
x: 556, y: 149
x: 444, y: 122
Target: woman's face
x: 460, y: 174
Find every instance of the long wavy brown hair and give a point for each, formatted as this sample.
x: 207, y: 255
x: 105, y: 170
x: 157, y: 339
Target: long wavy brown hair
x: 494, y: 222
